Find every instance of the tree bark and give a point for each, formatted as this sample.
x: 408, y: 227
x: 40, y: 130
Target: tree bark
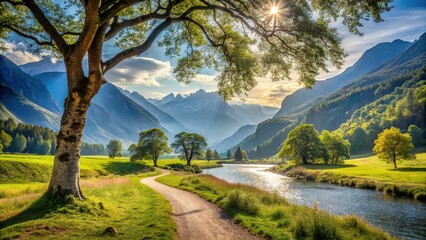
x: 66, y: 166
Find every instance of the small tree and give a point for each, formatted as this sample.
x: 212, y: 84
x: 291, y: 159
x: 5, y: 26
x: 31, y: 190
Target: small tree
x: 392, y: 145
x: 336, y: 147
x: 245, y: 157
x: 416, y: 134
x: 303, y: 145
x: 209, y: 154
x: 114, y: 148
x: 132, y: 150
x: 228, y: 154
x: 238, y: 155
x: 216, y: 155
x: 189, y: 145
x: 5, y: 139
x: 152, y: 143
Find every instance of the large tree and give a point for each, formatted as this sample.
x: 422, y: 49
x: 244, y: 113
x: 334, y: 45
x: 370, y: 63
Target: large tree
x: 241, y: 39
x: 152, y: 143
x: 189, y: 145
x: 336, y: 147
x: 303, y: 145
x: 392, y: 145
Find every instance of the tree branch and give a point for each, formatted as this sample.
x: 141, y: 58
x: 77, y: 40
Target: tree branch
x: 46, y: 24
x: 90, y: 28
x: 134, y: 51
x: 25, y: 35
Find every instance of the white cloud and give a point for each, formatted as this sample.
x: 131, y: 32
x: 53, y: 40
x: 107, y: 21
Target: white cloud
x: 140, y: 71
x: 18, y: 53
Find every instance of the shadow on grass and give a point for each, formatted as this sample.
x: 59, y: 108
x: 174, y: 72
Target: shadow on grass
x: 328, y: 166
x: 37, y: 210
x: 409, y: 169
x: 124, y: 168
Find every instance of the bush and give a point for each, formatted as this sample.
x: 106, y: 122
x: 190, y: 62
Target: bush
x: 319, y: 227
x: 181, y: 167
x: 242, y: 201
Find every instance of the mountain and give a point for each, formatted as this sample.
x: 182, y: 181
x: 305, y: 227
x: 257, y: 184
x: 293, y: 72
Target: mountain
x: 22, y: 109
x: 167, y: 121
x: 338, y: 107
x: 254, y: 114
x: 208, y: 114
x: 112, y: 114
x: 373, y: 58
x: 47, y: 64
x: 25, y: 85
x: 335, y: 108
x: 235, y: 138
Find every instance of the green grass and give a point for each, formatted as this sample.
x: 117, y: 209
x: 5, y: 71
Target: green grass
x: 409, y: 179
x: 162, y: 163
x: 115, y: 196
x: 413, y: 171
x: 133, y: 209
x: 271, y: 216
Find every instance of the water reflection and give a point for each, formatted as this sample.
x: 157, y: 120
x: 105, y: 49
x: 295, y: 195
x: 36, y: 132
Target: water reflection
x: 401, y: 217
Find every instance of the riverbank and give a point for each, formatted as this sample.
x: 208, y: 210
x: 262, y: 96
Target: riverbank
x: 270, y: 215
x: 408, y: 180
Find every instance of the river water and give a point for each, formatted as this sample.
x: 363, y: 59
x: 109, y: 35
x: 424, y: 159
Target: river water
x: 401, y: 217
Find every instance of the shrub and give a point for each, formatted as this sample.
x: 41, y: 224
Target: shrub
x: 277, y: 214
x: 242, y: 201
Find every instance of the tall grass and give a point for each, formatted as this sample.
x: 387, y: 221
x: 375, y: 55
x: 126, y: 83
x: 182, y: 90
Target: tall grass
x: 271, y: 216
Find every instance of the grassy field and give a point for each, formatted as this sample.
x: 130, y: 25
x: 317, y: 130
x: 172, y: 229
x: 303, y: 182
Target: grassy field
x: 413, y: 171
x: 408, y: 179
x: 115, y: 196
x: 271, y: 216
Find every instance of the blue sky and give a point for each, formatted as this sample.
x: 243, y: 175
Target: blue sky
x: 151, y: 73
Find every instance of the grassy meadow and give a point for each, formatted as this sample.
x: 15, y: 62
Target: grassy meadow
x: 271, y: 216
x: 409, y: 179
x: 115, y: 198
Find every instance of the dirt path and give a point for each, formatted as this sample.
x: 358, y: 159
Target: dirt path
x: 196, y: 218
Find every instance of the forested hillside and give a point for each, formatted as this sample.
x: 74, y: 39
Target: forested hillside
x: 361, y: 109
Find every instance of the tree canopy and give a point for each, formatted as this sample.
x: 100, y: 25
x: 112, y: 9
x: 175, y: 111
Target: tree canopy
x: 114, y: 148
x: 205, y: 33
x: 189, y: 145
x: 302, y: 145
x: 392, y: 145
x: 336, y: 147
x: 152, y: 143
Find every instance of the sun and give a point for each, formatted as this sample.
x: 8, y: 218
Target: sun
x: 274, y: 10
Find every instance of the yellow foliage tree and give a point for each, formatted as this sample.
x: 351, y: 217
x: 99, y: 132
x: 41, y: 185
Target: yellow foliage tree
x: 392, y: 145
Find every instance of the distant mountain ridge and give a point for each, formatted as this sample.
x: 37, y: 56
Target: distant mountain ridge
x: 208, y: 114
x: 373, y: 58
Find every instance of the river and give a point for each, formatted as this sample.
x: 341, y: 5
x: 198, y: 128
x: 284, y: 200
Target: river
x: 401, y: 217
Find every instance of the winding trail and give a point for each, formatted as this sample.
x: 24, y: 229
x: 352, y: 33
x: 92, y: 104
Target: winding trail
x: 196, y: 218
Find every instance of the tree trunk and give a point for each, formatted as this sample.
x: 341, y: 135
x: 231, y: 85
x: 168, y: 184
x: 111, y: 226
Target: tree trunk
x: 394, y: 163
x: 155, y: 162
x: 66, y: 166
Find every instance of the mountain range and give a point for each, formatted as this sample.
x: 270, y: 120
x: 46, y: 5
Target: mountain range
x: 208, y: 114
x: 34, y: 93
x: 332, y: 102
